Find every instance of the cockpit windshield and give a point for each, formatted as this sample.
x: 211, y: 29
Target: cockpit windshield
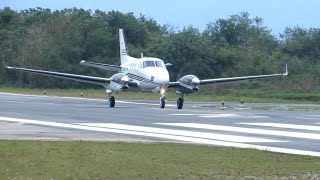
x: 148, y: 64
x: 153, y: 64
x: 159, y: 64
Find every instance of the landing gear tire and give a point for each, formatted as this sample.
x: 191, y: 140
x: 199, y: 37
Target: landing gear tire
x: 112, y: 101
x: 162, y: 102
x: 180, y: 103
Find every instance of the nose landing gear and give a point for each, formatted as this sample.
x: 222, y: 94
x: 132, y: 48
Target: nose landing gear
x: 162, y: 98
x: 162, y: 102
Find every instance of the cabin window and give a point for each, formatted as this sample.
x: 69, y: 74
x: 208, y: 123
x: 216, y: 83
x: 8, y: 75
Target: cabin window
x: 159, y: 64
x: 148, y: 64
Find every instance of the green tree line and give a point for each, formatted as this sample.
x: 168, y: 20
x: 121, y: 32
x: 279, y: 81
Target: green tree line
x: 236, y: 46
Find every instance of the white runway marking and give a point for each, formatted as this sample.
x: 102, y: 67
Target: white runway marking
x: 231, y: 115
x: 218, y: 115
x: 221, y: 115
x: 315, y: 116
x: 180, y: 132
x: 172, y: 137
x: 309, y: 118
x: 247, y: 130
x: 206, y: 115
x: 289, y: 126
x: 185, y: 114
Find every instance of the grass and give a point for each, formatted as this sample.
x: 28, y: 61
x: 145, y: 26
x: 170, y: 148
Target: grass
x: 233, y: 95
x: 115, y: 160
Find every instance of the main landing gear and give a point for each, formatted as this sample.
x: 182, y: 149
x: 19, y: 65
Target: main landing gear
x: 180, y: 101
x: 111, y: 100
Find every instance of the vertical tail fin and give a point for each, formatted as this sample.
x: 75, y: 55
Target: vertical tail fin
x: 123, y: 48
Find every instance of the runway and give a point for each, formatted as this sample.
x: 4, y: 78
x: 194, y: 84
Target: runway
x: 58, y: 118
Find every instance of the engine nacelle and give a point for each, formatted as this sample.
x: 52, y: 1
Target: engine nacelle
x: 190, y: 80
x: 113, y: 86
x: 189, y: 84
x: 119, y: 82
x: 120, y: 78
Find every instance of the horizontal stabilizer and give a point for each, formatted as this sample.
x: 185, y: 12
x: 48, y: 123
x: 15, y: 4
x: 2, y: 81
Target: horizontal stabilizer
x: 108, y: 67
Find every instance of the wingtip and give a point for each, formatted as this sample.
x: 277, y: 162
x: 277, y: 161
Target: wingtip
x: 286, y: 73
x: 4, y: 63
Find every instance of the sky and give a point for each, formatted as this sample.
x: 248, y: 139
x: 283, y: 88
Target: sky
x: 276, y: 14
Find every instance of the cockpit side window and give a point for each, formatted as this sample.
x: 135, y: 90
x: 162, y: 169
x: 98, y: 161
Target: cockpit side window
x: 148, y: 64
x: 159, y: 64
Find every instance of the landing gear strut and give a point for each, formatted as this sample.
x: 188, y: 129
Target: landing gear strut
x: 111, y: 100
x: 180, y: 102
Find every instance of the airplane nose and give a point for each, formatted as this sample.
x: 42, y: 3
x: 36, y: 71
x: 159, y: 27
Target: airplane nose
x: 159, y: 75
x: 163, y: 79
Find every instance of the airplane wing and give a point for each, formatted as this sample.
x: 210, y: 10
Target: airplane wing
x: 222, y: 80
x: 87, y: 79
x: 101, y: 66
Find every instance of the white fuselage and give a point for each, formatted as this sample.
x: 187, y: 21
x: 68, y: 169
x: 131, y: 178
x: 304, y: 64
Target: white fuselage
x: 149, y: 73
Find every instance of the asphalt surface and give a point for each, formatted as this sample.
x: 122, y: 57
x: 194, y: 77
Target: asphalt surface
x: 57, y: 118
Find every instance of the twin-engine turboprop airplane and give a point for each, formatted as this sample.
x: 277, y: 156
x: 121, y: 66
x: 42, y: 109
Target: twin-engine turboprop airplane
x: 142, y: 74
